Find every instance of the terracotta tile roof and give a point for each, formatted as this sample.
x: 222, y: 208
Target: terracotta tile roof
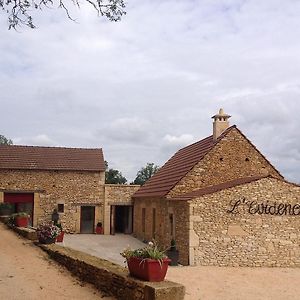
x: 219, y: 187
x: 177, y: 167
x: 51, y: 158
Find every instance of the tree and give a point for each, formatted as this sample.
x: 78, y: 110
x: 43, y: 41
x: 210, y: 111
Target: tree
x: 145, y: 173
x: 19, y: 11
x: 4, y: 140
x: 114, y: 176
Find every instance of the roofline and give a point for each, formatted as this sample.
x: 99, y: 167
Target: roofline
x: 50, y: 147
x: 224, y: 133
x: 220, y: 187
x: 53, y: 169
x: 259, y: 152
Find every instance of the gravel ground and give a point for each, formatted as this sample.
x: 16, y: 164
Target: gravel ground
x: 26, y: 273
x: 226, y: 283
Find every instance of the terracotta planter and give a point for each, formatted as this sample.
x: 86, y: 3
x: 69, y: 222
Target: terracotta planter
x: 99, y: 230
x: 47, y: 240
x: 148, y: 269
x: 21, y: 221
x: 60, y: 237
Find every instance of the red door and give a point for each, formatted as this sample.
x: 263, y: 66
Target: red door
x: 22, y: 202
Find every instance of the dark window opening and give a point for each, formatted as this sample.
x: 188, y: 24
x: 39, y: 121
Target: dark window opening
x: 247, y: 159
x: 171, y: 224
x: 153, y: 222
x: 60, y: 208
x: 144, y: 219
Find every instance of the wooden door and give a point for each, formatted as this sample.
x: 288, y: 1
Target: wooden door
x: 87, y: 219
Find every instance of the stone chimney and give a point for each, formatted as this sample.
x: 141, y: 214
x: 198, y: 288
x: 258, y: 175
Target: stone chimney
x: 220, y: 124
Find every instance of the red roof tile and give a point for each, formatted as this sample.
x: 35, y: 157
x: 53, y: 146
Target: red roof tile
x: 219, y: 187
x: 51, y: 158
x: 177, y: 167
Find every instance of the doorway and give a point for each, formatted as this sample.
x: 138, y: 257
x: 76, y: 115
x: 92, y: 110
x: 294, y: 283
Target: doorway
x: 87, y: 219
x: 121, y: 219
x: 21, y: 202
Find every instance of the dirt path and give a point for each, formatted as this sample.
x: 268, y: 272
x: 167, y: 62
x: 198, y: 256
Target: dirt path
x: 214, y: 283
x: 26, y: 273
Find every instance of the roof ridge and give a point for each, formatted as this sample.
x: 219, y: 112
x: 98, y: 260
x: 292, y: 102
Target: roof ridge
x: 206, y: 149
x: 50, y: 147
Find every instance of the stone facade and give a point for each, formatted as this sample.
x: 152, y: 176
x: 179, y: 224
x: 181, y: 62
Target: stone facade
x: 233, y: 157
x: 73, y: 189
x: 51, y: 188
x: 116, y: 194
x: 243, y: 238
x: 205, y: 233
x: 147, y: 226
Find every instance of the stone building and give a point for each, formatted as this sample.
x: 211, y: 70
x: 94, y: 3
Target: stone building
x: 40, y: 179
x: 223, y: 202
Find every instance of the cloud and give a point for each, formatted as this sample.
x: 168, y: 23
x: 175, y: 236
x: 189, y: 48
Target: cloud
x: 39, y: 140
x: 136, y: 86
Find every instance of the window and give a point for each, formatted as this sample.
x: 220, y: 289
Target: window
x: 153, y: 222
x: 172, y: 225
x: 144, y: 219
x: 60, y: 208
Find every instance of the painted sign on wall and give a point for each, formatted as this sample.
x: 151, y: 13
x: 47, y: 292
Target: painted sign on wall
x: 266, y: 207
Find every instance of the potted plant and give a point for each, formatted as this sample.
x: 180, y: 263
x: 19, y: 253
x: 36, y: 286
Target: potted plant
x: 20, y: 219
x: 47, y: 233
x: 99, y: 228
x: 60, y: 237
x: 173, y: 254
x: 5, y: 209
x: 148, y: 263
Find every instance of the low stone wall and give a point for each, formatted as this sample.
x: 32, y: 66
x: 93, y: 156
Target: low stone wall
x: 111, y: 278
x: 28, y: 233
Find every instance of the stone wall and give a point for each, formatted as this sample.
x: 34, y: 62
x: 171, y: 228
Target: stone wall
x: 119, y: 193
x: 50, y: 188
x: 111, y: 278
x: 233, y: 157
x: 161, y: 232
x: 116, y: 194
x: 241, y: 238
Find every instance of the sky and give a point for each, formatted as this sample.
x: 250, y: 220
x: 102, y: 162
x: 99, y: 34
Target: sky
x: 146, y: 86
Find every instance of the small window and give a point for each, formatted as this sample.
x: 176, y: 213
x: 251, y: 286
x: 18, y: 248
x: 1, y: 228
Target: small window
x: 171, y: 217
x: 153, y: 222
x: 60, y: 208
x: 143, y: 220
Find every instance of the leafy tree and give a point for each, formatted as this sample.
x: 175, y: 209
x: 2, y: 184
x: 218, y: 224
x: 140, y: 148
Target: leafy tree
x: 19, y: 11
x: 145, y: 173
x: 4, y: 140
x: 114, y: 176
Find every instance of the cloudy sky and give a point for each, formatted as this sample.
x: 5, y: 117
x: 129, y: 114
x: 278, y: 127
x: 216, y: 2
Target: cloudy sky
x: 147, y: 86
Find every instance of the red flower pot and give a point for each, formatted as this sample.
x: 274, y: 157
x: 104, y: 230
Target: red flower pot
x: 148, y: 269
x: 21, y: 221
x: 60, y: 237
x: 99, y: 230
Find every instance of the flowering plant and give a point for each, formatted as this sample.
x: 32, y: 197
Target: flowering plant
x: 151, y: 251
x: 48, y: 231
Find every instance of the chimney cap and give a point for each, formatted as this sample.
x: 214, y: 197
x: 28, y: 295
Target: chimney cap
x: 221, y: 114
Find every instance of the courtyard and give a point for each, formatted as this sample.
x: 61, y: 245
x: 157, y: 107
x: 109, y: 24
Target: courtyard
x: 205, y: 283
